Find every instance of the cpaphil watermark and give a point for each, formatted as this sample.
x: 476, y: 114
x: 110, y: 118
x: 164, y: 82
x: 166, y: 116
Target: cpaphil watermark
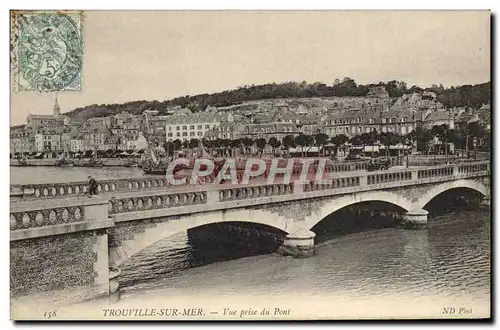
x: 182, y: 171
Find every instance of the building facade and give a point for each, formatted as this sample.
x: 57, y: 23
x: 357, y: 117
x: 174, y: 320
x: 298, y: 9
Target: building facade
x: 186, y: 126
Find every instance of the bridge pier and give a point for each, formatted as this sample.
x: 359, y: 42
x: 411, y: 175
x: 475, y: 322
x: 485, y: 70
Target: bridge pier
x: 298, y: 245
x: 416, y: 219
x: 485, y: 203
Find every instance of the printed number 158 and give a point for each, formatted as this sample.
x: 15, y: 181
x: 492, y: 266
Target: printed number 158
x: 48, y: 315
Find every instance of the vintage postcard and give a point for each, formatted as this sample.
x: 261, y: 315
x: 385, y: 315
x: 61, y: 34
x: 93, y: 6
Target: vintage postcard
x: 250, y: 165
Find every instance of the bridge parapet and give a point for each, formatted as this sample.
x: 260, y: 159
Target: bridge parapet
x: 31, y: 192
x: 137, y: 204
x: 259, y: 193
x: 474, y: 167
x: 37, y: 219
x: 156, y: 200
x: 59, y: 250
x: 436, y: 171
x: 80, y: 188
x: 239, y: 193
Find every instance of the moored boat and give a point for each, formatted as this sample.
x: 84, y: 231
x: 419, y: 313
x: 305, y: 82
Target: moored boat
x: 23, y: 162
x: 64, y: 161
x: 93, y: 162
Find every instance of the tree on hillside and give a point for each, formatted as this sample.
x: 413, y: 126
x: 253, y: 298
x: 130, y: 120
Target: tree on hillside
x: 459, y: 96
x: 396, y: 88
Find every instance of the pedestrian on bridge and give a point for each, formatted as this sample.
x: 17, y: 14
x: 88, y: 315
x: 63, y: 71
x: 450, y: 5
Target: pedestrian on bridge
x: 92, y: 186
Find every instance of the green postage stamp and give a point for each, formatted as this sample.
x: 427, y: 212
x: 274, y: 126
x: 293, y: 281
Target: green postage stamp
x: 46, y: 50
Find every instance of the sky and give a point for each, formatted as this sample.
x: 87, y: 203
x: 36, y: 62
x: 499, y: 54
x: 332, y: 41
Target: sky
x: 159, y: 55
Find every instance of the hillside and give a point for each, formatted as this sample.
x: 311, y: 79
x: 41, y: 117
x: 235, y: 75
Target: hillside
x: 466, y: 95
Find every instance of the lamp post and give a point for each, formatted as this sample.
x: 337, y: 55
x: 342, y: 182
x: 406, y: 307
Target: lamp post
x: 407, y: 153
x: 474, y: 144
x: 467, y: 139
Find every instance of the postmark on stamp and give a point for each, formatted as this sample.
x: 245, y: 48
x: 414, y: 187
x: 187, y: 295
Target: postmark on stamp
x: 46, y: 50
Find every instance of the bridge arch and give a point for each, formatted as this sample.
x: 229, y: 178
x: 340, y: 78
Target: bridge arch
x: 371, y: 196
x: 131, y: 243
x: 435, y: 191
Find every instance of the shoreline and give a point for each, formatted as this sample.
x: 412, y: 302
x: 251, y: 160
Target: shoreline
x: 109, y: 162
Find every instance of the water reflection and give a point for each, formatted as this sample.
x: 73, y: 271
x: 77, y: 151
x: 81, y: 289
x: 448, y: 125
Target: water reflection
x: 451, y: 259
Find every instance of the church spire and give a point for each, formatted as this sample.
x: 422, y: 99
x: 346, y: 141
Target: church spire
x: 57, y: 110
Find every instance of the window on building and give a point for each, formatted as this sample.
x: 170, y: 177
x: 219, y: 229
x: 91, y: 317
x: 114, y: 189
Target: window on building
x: 191, y: 133
x: 393, y: 120
x: 170, y: 128
x: 184, y: 128
x: 184, y: 133
x: 191, y: 127
x: 169, y: 134
x: 200, y: 133
x: 207, y: 126
x: 200, y: 126
x: 405, y: 119
x: 177, y: 127
x: 178, y: 134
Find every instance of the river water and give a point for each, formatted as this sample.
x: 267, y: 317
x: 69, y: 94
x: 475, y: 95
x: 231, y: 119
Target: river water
x: 51, y: 174
x: 450, y: 259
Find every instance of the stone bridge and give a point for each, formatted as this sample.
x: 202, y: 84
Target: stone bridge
x: 64, y: 242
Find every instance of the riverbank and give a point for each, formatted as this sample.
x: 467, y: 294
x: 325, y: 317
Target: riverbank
x: 50, y: 174
x: 52, y: 162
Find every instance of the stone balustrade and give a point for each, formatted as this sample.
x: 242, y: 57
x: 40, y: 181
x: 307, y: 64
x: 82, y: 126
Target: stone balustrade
x: 41, y: 216
x: 73, y: 189
x: 333, y: 184
x: 136, y: 198
x: 156, y: 201
x: 256, y: 191
x: 392, y: 176
x: 340, y: 167
x: 28, y: 192
x: 474, y: 167
x: 436, y: 171
x: 33, y: 219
